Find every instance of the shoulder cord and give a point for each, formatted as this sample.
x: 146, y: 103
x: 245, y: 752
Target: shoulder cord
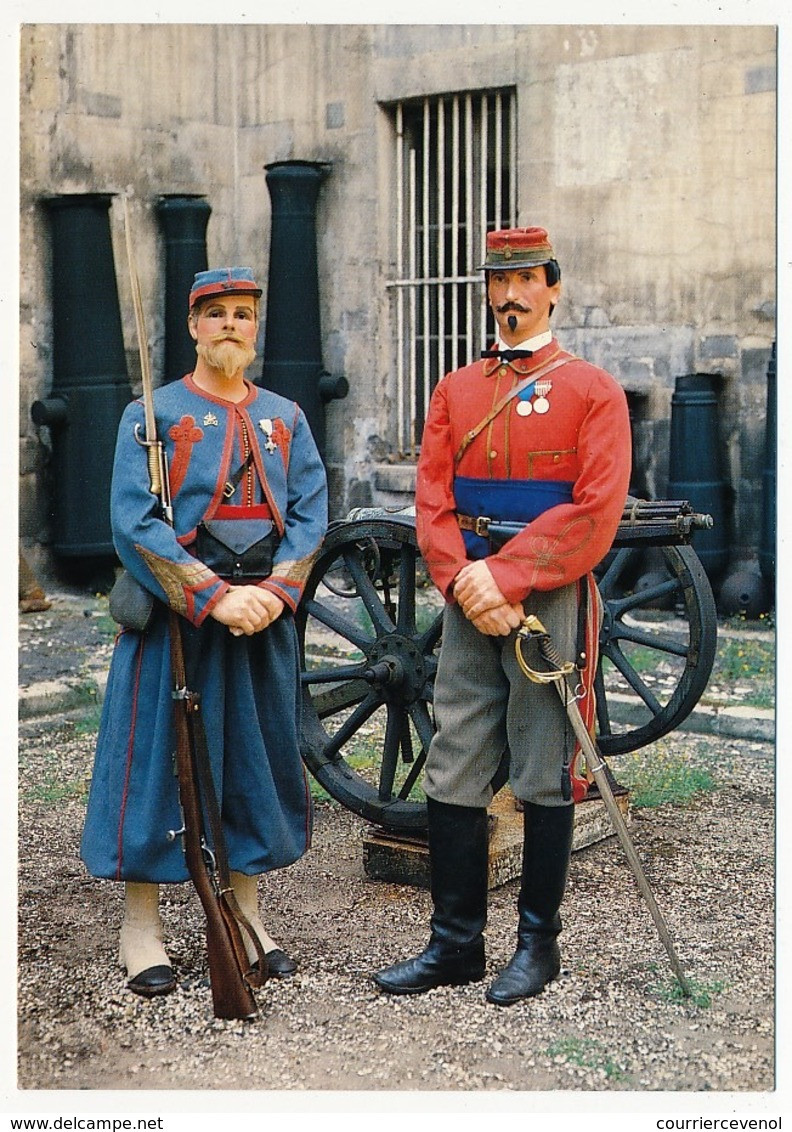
x: 532, y: 376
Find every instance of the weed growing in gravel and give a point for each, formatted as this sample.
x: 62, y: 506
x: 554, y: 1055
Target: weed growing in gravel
x: 51, y: 784
x: 88, y: 723
x: 662, y: 778
x: 587, y: 1054
x: 51, y: 791
x: 745, y: 661
x: 104, y: 620
x: 701, y: 992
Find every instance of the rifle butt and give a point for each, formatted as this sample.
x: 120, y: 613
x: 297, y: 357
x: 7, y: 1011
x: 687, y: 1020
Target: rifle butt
x: 230, y: 974
x: 232, y: 998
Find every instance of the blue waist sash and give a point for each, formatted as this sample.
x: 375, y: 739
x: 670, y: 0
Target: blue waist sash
x: 515, y: 501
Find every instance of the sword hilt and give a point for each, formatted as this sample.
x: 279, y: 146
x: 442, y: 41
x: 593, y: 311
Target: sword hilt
x: 532, y: 628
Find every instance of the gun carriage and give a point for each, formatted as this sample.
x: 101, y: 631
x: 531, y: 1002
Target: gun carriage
x: 370, y: 624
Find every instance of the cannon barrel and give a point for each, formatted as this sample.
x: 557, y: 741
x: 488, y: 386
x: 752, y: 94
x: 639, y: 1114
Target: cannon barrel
x: 292, y: 343
x: 90, y: 384
x: 644, y: 522
x: 767, y: 551
x: 183, y: 220
x: 694, y: 465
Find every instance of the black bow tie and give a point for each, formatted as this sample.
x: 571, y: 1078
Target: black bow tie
x: 507, y: 355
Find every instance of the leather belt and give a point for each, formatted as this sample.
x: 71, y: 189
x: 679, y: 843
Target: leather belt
x: 479, y: 524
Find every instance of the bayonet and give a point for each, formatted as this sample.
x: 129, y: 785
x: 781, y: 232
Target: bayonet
x: 159, y: 484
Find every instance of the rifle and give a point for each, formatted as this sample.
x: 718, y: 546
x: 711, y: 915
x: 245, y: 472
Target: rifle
x: 231, y: 974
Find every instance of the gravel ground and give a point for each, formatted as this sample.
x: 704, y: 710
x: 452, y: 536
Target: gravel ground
x: 610, y: 1022
x: 610, y: 1025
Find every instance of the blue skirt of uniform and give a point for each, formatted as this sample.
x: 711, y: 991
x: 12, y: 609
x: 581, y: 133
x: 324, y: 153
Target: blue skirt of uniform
x: 250, y: 704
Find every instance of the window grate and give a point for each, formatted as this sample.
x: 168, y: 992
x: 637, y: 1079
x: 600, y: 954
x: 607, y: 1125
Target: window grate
x: 455, y: 180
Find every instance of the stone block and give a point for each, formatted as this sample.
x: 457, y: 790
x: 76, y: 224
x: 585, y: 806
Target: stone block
x: 719, y: 346
x: 395, y: 477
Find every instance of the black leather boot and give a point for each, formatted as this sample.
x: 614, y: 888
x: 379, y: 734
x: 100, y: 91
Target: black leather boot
x: 547, y: 845
x: 458, y: 863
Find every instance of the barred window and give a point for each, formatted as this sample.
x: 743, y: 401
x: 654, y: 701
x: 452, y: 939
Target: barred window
x: 455, y: 180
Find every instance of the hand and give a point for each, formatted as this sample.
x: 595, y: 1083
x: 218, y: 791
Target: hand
x: 247, y: 609
x: 500, y: 621
x: 476, y: 590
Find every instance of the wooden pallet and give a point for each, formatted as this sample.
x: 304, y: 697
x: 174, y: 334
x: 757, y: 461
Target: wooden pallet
x: 404, y: 859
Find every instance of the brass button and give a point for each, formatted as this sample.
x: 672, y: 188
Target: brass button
x: 493, y: 454
x: 502, y: 371
x: 556, y: 458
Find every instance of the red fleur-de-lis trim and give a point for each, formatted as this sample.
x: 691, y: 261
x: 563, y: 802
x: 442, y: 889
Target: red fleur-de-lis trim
x: 281, y: 436
x: 184, y: 435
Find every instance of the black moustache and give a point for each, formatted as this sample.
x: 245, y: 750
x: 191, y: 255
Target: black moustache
x: 512, y: 307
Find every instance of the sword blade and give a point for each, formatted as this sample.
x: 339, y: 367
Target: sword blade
x: 597, y: 768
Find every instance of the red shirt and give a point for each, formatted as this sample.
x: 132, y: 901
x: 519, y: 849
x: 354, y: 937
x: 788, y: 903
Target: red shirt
x: 582, y: 438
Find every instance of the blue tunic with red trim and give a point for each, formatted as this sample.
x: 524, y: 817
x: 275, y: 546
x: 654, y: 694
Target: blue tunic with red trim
x: 249, y: 685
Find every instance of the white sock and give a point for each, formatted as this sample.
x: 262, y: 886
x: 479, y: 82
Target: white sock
x: 246, y: 891
x: 140, y: 945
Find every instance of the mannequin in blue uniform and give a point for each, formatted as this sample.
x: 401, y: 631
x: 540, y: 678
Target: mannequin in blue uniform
x: 243, y: 460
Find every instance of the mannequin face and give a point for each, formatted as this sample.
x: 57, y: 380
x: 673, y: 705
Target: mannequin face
x: 224, y: 329
x: 524, y: 294
x: 225, y: 316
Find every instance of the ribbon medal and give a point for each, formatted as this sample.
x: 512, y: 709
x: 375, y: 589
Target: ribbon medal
x: 266, y: 427
x: 541, y: 404
x: 525, y: 404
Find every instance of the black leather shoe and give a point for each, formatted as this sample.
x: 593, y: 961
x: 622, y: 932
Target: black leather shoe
x: 436, y: 966
x: 279, y: 964
x: 532, y: 967
x: 153, y: 981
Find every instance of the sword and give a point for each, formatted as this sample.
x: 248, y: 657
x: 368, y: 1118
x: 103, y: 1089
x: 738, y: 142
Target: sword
x: 532, y: 628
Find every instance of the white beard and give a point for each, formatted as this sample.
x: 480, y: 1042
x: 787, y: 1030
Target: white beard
x: 226, y: 356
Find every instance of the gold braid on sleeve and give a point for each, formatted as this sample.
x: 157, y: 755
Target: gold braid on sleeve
x: 175, y: 577
x: 295, y: 570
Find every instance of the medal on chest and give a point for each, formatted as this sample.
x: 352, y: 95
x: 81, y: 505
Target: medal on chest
x: 266, y: 427
x: 533, y: 399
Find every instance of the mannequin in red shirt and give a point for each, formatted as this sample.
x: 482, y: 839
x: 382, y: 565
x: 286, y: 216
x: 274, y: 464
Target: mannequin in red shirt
x: 531, y: 434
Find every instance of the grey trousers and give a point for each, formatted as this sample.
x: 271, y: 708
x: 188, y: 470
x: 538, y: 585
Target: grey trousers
x: 486, y: 707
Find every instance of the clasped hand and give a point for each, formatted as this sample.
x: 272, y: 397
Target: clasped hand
x: 483, y: 603
x: 247, y: 609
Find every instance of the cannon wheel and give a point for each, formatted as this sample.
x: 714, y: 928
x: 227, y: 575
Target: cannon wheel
x: 664, y: 664
x: 375, y: 672
x: 369, y: 643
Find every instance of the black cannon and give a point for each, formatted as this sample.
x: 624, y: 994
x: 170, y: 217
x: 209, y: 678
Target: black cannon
x: 292, y: 343
x: 183, y: 220
x: 370, y: 625
x: 90, y: 384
